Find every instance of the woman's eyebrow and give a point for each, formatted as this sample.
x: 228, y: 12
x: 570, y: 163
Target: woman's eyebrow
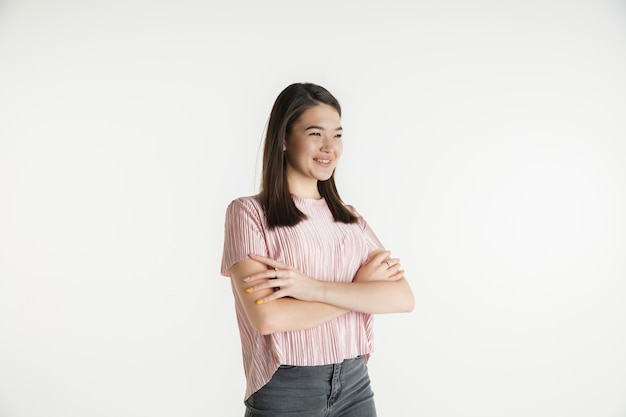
x: 320, y: 127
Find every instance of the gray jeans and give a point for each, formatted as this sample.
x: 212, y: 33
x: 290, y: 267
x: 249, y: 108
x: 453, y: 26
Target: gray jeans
x: 337, y: 390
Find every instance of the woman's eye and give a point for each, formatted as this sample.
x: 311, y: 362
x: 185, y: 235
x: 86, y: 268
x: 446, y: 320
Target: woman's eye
x: 315, y: 134
x: 338, y: 136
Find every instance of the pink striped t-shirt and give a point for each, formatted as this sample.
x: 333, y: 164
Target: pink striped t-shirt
x: 320, y: 248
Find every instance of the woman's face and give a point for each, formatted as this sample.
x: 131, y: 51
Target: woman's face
x: 312, y: 149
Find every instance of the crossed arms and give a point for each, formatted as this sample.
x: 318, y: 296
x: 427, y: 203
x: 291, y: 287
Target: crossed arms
x: 277, y: 297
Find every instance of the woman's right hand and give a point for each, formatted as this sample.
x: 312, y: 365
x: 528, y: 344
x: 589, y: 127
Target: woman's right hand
x: 380, y: 266
x: 285, y: 280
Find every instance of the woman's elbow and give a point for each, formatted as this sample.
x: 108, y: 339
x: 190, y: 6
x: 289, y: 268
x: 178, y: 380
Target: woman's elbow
x: 265, y: 329
x: 409, y: 304
x: 264, y: 324
x: 406, y: 300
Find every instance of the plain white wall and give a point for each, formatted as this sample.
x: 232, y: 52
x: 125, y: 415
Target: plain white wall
x: 484, y: 143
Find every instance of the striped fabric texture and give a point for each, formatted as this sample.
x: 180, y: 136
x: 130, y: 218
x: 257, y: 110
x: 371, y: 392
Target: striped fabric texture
x: 322, y: 249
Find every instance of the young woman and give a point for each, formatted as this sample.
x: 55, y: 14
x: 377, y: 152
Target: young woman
x: 307, y: 272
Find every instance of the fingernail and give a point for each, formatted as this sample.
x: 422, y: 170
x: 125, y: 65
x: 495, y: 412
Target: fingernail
x: 248, y: 290
x: 259, y: 301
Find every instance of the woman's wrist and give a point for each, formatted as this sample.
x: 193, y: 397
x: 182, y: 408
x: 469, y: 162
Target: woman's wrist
x: 320, y: 289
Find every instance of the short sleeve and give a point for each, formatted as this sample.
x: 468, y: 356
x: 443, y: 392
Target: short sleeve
x: 370, y: 237
x: 244, y: 232
x: 372, y: 240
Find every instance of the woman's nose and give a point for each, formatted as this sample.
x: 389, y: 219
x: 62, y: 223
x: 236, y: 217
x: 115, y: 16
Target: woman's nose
x: 327, y: 143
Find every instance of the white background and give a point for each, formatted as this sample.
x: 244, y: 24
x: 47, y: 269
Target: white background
x: 485, y: 142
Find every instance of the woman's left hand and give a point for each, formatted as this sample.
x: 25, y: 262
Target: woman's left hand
x: 284, y: 279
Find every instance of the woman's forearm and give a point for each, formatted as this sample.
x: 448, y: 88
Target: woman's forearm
x: 287, y: 314
x: 373, y: 297
x: 335, y: 298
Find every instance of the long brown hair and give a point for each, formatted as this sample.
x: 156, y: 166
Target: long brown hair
x: 280, y: 210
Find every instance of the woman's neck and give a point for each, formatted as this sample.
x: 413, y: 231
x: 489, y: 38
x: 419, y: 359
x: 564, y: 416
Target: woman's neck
x: 305, y: 190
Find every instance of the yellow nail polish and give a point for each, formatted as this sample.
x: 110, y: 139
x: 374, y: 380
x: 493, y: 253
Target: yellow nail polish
x: 248, y: 290
x: 259, y: 301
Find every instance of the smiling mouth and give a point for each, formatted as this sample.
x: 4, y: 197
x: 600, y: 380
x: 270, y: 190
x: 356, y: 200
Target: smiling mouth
x: 323, y: 161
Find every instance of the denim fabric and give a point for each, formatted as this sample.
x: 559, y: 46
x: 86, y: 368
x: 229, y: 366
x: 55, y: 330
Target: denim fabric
x: 337, y: 390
